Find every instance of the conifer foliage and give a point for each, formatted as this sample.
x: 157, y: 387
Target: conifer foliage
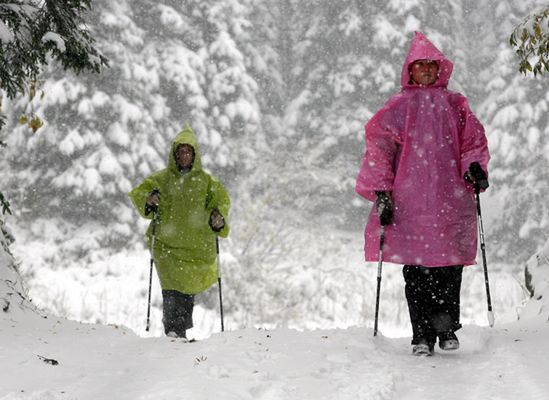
x: 32, y: 33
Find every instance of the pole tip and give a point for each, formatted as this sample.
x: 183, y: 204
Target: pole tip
x: 491, y: 319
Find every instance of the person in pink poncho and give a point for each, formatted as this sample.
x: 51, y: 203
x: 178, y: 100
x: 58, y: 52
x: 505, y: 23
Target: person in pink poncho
x: 424, y: 150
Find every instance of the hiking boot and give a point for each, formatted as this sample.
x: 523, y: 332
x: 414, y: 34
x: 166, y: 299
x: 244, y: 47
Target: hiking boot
x: 448, y: 341
x: 174, y: 335
x: 423, y: 348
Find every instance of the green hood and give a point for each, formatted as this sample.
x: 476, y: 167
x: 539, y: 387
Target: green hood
x: 186, y: 136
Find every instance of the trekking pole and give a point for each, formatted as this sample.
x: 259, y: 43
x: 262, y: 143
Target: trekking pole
x: 219, y: 283
x: 491, y: 319
x: 153, y: 237
x: 379, y: 265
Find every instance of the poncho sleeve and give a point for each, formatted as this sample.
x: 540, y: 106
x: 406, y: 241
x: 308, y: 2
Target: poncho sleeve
x: 473, y: 142
x: 218, y: 198
x: 139, y: 194
x: 383, y: 140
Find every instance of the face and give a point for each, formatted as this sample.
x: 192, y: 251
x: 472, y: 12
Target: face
x: 184, y: 155
x: 424, y: 72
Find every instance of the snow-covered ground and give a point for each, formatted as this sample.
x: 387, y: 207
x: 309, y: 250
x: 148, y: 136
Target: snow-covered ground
x: 107, y: 362
x: 339, y: 292
x: 45, y: 357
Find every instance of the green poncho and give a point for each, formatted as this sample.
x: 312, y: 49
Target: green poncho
x: 185, y: 248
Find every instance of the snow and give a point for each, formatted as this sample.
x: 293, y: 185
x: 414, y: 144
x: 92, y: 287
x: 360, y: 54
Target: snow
x: 170, y: 17
x: 55, y: 38
x: 64, y: 90
x: 385, y: 33
x: 128, y: 111
x: 350, y: 23
x: 298, y: 309
x: 110, y: 362
x: 538, y: 268
x: 118, y: 134
x: 71, y: 143
x: 6, y: 35
x: 404, y: 6
x: 243, y: 109
x: 109, y: 164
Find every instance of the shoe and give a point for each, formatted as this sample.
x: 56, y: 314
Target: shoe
x: 422, y: 348
x: 448, y: 341
x: 174, y: 335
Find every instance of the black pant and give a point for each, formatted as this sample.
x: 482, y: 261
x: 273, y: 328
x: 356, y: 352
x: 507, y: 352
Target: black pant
x: 433, y: 295
x: 177, y: 312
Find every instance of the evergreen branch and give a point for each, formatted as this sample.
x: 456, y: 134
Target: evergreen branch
x: 4, y: 204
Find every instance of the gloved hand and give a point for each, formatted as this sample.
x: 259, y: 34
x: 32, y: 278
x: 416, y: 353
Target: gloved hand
x: 384, y: 207
x: 152, y: 202
x: 477, y: 176
x: 217, y: 222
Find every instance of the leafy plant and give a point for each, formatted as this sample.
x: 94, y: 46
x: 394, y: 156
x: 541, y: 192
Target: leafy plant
x: 531, y: 40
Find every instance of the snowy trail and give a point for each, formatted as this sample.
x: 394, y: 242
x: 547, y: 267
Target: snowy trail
x: 489, y: 367
x: 286, y: 364
x: 464, y: 372
x: 102, y: 362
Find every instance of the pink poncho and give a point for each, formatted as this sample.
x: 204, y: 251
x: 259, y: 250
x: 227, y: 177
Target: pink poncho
x: 418, y: 147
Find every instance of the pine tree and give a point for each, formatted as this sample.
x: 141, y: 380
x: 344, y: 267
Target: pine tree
x: 173, y: 63
x: 31, y: 34
x: 515, y: 112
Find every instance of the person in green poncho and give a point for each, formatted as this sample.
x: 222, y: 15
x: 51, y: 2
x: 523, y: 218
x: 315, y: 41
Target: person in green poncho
x: 192, y: 209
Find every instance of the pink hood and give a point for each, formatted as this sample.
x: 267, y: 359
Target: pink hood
x: 422, y: 49
x: 418, y: 147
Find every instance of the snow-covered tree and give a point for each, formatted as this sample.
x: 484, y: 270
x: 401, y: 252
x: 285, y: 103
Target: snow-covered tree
x: 515, y: 111
x: 32, y: 31
x: 32, y: 34
x: 12, y: 291
x: 173, y: 64
x: 536, y: 274
x: 531, y: 42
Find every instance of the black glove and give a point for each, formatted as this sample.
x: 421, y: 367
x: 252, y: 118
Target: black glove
x: 477, y: 176
x: 152, y: 207
x: 384, y: 207
x: 216, y: 222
